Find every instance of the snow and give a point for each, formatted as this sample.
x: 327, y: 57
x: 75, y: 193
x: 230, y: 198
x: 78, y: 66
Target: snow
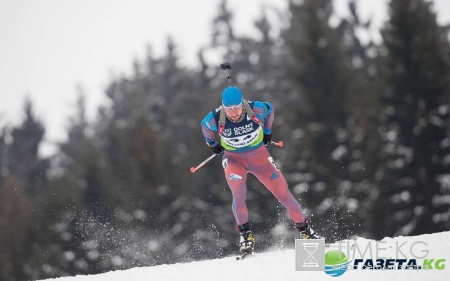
x: 280, y: 265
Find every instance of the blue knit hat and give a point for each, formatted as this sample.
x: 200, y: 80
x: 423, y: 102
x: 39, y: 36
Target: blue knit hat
x: 231, y: 96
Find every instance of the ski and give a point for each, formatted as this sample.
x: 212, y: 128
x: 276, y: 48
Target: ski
x: 243, y: 256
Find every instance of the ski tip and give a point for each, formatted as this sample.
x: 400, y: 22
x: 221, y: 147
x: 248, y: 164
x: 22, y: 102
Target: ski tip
x: 192, y: 170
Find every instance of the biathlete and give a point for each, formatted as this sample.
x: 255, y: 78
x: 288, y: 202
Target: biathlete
x: 244, y: 128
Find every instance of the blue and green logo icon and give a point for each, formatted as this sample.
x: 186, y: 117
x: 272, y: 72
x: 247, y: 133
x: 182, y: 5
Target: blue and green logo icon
x: 336, y: 263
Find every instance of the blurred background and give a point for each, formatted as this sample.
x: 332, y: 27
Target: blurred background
x: 362, y: 107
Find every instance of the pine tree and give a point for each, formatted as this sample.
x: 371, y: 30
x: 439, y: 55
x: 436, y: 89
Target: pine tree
x: 412, y: 199
x: 16, y: 220
x: 320, y: 67
x: 363, y: 106
x: 23, y: 153
x: 23, y: 190
x: 3, y: 154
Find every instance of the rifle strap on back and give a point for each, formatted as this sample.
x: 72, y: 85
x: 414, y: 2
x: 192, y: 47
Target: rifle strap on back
x: 248, y: 109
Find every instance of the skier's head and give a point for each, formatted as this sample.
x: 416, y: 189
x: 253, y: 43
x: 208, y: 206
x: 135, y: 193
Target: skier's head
x: 231, y: 96
x: 232, y: 103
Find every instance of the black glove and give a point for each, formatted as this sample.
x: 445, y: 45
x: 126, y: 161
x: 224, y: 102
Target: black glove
x: 218, y: 149
x: 267, y: 139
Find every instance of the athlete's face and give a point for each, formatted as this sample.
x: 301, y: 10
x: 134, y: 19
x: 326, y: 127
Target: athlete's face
x: 234, y: 112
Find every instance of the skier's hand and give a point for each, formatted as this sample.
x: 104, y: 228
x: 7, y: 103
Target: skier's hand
x: 267, y: 139
x: 218, y: 149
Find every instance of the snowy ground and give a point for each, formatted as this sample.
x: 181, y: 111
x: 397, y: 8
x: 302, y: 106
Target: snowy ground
x: 281, y: 266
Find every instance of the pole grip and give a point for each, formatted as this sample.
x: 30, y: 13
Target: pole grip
x: 280, y: 143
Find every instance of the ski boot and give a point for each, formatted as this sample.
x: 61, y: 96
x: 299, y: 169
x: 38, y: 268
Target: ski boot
x: 306, y: 232
x: 247, y: 241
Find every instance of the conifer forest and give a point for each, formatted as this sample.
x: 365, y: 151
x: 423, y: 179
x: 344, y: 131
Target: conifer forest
x: 365, y: 126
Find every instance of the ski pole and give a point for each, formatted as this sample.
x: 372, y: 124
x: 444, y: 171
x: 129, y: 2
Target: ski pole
x: 280, y: 143
x: 194, y: 169
x: 225, y: 67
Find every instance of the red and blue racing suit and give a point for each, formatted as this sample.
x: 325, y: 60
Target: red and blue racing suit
x: 245, y: 153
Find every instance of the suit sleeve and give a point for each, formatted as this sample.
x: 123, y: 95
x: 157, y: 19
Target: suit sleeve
x: 265, y: 113
x: 209, y: 126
